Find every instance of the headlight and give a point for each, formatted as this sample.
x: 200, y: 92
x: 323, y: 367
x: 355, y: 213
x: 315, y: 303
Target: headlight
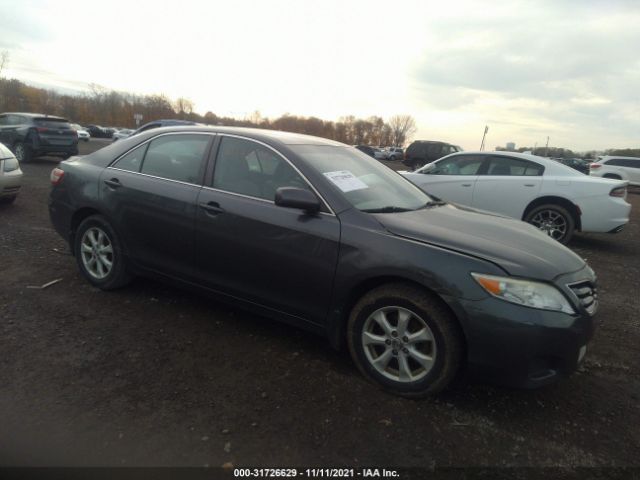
x: 10, y: 164
x: 524, y: 292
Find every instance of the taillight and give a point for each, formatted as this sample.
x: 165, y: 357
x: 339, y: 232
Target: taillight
x: 593, y: 166
x: 74, y: 133
x: 619, y: 192
x: 56, y: 176
x: 42, y: 129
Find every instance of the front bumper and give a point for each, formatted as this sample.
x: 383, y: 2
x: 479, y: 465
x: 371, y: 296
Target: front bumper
x: 521, y: 346
x: 10, y: 183
x: 525, y: 347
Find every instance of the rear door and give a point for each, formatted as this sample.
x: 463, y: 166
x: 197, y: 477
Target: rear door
x: 452, y: 179
x: 151, y: 196
x: 507, y: 185
x: 247, y: 247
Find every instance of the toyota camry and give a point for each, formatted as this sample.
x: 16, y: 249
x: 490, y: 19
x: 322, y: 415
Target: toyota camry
x: 317, y: 234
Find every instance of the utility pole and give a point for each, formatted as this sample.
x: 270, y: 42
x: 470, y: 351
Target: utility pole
x: 486, y: 129
x: 546, y: 148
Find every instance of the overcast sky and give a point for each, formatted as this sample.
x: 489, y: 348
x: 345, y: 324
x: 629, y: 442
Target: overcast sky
x: 566, y: 69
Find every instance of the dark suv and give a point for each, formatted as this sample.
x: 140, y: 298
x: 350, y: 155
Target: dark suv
x: 31, y: 135
x: 422, y: 152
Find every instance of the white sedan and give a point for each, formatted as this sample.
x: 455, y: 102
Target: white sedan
x: 551, y: 196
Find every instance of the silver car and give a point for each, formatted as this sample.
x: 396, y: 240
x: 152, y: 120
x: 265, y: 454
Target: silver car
x: 10, y: 175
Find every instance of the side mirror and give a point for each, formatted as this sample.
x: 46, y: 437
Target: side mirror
x: 292, y: 197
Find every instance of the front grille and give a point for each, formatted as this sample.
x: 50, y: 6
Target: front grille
x: 587, y: 294
x: 9, y: 190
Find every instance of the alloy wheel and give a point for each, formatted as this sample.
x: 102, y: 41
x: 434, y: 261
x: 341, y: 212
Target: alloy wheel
x: 550, y: 222
x: 20, y: 152
x: 96, y: 250
x: 399, y: 344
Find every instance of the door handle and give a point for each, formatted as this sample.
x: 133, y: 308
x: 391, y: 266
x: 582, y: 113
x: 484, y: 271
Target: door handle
x: 466, y: 184
x: 113, y: 183
x: 529, y: 185
x: 212, y: 208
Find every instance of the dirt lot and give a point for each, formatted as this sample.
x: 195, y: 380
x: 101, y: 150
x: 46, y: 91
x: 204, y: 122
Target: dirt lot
x: 150, y: 375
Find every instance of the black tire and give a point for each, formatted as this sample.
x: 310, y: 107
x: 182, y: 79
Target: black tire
x: 446, y: 336
x: 117, y: 276
x: 23, y: 152
x: 612, y: 175
x: 553, y: 210
x: 7, y: 200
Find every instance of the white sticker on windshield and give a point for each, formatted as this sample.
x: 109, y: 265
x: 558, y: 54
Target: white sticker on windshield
x: 345, y: 180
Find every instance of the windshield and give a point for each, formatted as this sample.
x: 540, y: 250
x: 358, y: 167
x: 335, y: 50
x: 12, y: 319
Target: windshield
x: 365, y: 183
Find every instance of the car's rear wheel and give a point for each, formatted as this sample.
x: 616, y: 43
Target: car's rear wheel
x: 99, y: 254
x: 402, y: 338
x: 554, y: 220
x: 23, y: 152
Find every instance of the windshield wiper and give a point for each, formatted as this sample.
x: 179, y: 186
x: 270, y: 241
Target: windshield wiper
x: 388, y: 209
x: 433, y: 203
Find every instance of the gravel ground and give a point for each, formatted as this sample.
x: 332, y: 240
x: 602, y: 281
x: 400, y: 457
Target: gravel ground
x: 151, y: 375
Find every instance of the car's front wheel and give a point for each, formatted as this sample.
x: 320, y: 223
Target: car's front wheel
x: 404, y: 339
x: 554, y: 220
x: 99, y: 254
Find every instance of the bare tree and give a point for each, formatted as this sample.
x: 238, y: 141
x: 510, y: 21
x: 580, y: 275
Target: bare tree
x: 4, y: 60
x: 183, y: 107
x: 403, y: 127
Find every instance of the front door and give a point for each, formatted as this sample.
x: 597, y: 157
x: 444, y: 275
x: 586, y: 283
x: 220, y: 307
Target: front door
x: 248, y: 247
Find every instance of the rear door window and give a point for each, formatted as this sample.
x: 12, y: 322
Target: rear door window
x: 176, y: 157
x: 132, y: 161
x: 508, y: 166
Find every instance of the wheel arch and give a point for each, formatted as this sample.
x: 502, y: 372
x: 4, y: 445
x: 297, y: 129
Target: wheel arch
x: 573, y: 209
x: 338, y: 330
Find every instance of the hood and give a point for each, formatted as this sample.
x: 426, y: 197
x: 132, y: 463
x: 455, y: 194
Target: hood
x: 519, y: 248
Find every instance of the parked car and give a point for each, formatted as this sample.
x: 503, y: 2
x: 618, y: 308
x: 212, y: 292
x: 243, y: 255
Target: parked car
x: 120, y: 134
x: 395, y: 153
x: 31, y: 135
x: 576, y: 163
x: 553, y: 197
x: 317, y: 234
x: 97, y: 131
x: 620, y: 168
x: 421, y: 152
x: 10, y: 175
x: 83, y: 134
x: 162, y: 123
x: 379, y: 153
x: 367, y: 150
x: 110, y: 131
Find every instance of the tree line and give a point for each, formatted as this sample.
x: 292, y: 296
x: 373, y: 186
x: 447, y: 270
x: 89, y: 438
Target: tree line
x: 110, y: 108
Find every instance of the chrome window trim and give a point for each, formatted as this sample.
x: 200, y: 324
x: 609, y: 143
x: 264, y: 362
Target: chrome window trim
x: 213, y: 134
x: 263, y: 200
x: 331, y: 212
x: 154, y: 176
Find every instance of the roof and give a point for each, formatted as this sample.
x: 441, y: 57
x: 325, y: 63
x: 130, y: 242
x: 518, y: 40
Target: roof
x: 551, y: 166
x: 287, y: 138
x: 34, y: 115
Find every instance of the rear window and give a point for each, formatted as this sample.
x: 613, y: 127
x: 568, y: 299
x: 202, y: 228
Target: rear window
x: 52, y: 122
